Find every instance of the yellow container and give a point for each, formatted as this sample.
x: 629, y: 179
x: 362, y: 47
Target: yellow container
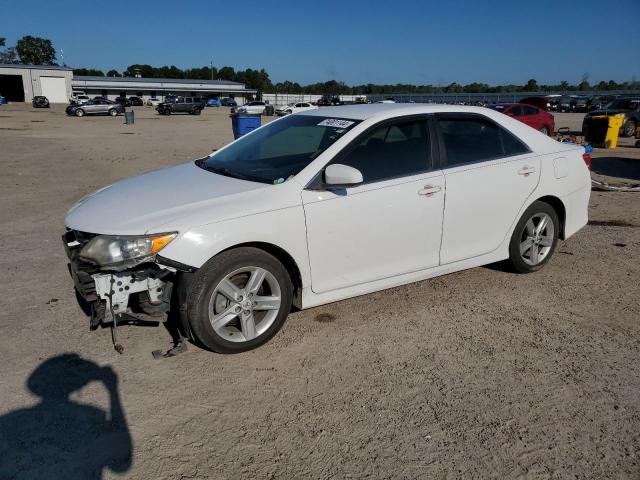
x: 615, y: 123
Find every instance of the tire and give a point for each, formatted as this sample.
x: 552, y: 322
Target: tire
x: 544, y: 130
x: 541, y: 245
x: 629, y: 129
x: 289, y: 112
x: 79, y: 113
x: 231, y: 271
x: 113, y: 112
x: 198, y: 111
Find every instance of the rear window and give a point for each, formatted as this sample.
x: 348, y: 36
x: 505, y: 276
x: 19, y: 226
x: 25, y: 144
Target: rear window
x: 474, y: 139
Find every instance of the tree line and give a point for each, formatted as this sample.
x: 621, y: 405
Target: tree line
x: 40, y: 51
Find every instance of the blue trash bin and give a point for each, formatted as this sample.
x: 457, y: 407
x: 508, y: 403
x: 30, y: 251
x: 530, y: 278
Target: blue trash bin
x: 243, y: 124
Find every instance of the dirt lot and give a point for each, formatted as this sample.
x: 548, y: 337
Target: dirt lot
x: 478, y: 374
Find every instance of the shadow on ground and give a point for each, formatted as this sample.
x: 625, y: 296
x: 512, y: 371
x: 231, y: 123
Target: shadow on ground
x: 62, y: 439
x: 620, y: 167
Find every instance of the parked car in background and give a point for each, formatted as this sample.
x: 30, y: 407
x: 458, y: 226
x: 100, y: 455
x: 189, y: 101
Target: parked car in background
x: 79, y: 97
x: 100, y: 106
x: 213, y: 102
x: 581, y: 104
x: 228, y: 102
x: 294, y: 107
x: 528, y: 114
x: 629, y: 106
x: 153, y: 102
x: 190, y: 105
x: 564, y: 104
x: 124, y: 101
x: 600, y: 102
x: 329, y: 100
x: 136, y: 102
x: 40, y: 101
x: 255, y: 108
x: 2, y: 100
x: 280, y: 217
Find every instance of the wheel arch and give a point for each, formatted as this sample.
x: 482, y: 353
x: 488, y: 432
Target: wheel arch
x: 560, y: 209
x: 283, y: 257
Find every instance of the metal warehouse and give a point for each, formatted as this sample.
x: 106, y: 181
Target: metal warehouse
x: 145, y: 88
x: 20, y: 83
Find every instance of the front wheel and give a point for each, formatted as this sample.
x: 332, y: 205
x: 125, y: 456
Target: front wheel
x: 113, y: 112
x: 79, y: 112
x: 239, y: 300
x: 544, y: 130
x: 535, y: 238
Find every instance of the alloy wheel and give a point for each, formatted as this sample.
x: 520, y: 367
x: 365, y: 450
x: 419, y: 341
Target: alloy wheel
x: 537, y: 239
x: 244, y: 304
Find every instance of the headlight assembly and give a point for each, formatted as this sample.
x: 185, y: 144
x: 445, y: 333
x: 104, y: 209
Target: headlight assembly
x: 114, y: 250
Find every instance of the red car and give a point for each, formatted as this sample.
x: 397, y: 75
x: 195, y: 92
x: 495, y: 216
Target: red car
x: 532, y: 116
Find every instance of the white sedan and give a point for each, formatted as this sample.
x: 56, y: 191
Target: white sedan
x: 295, y: 107
x: 322, y: 206
x: 254, y: 108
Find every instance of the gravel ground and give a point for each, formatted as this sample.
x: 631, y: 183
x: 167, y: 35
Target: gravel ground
x: 477, y: 374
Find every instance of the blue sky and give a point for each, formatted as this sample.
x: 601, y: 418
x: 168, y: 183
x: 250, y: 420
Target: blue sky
x: 404, y: 41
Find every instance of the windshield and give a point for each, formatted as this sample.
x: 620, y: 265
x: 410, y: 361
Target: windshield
x: 279, y: 150
x: 625, y: 103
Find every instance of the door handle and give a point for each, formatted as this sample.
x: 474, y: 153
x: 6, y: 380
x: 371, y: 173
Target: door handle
x: 429, y: 190
x: 526, y: 170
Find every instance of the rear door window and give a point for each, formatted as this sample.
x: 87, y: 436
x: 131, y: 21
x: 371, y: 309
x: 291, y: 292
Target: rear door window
x: 475, y: 138
x: 390, y: 151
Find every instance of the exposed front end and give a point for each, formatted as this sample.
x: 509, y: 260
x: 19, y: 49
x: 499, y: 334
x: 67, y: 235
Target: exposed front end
x: 119, y: 286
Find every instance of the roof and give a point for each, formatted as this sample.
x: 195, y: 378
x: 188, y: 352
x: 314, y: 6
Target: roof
x: 34, y: 67
x: 88, y: 78
x: 366, y: 111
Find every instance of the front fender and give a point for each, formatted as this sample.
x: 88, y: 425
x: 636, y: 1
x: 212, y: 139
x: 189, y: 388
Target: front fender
x: 285, y: 228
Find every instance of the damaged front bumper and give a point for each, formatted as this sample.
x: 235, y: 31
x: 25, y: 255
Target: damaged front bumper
x: 135, y: 295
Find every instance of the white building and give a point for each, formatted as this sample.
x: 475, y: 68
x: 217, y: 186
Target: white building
x: 20, y: 83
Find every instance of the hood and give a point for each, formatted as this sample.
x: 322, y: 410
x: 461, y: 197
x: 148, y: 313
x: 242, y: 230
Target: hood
x: 170, y: 199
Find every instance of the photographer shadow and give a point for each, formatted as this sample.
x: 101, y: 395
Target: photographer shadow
x: 60, y: 438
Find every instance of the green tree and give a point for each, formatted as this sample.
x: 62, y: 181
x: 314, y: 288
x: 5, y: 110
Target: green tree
x: 227, y: 73
x: 9, y: 55
x: 531, y: 86
x: 113, y: 73
x: 91, y: 72
x: 36, y: 51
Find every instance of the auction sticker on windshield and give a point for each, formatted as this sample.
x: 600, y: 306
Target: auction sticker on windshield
x: 335, y: 122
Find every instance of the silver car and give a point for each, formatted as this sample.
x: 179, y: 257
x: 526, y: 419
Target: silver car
x: 96, y: 106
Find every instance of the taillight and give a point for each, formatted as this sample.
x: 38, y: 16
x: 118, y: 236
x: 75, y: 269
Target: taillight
x: 587, y: 160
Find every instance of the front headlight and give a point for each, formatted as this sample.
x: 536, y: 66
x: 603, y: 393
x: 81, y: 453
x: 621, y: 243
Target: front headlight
x: 108, y: 250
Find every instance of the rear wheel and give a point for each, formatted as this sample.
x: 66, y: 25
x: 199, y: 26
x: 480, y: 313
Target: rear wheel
x: 239, y: 300
x: 79, y: 112
x: 544, y: 130
x: 113, y: 112
x: 629, y: 128
x: 535, y: 238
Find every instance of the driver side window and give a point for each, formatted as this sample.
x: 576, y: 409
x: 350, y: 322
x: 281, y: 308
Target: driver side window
x: 399, y: 149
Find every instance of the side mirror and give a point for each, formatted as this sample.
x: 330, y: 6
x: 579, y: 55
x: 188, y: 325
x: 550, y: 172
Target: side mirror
x: 342, y: 175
